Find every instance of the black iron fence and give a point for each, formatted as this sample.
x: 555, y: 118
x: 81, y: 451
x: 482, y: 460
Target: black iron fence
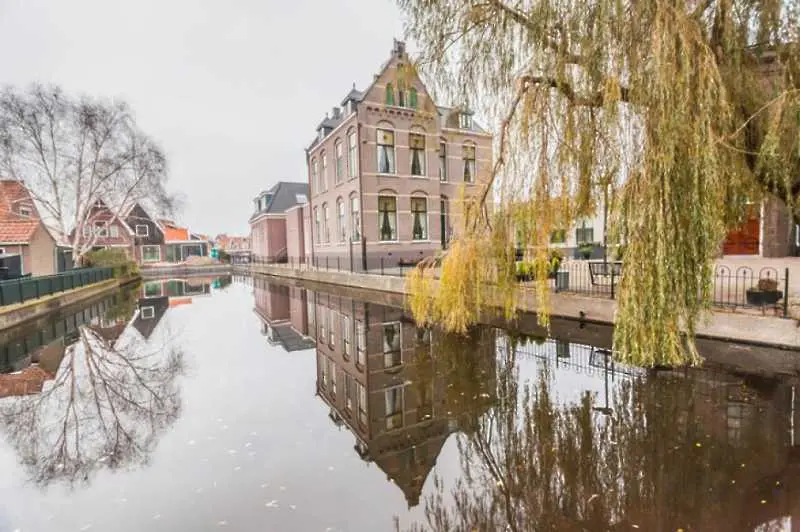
x: 27, y: 288
x: 765, y: 289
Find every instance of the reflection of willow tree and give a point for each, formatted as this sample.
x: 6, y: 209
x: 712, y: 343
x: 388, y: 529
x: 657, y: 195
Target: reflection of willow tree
x: 106, y: 407
x: 662, y: 461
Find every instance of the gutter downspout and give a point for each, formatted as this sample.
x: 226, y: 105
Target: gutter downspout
x: 310, y: 210
x: 363, y: 242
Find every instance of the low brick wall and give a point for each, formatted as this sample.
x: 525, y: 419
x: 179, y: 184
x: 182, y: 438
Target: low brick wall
x: 729, y: 327
x: 14, y: 315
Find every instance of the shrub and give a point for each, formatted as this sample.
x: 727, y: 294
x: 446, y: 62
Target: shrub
x: 116, y: 259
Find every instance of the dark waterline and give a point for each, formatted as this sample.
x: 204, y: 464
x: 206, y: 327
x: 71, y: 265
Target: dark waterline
x: 213, y: 404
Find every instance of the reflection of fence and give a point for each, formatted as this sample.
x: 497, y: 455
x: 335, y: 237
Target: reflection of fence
x: 26, y: 288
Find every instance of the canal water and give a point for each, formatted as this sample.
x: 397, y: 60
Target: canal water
x: 245, y: 404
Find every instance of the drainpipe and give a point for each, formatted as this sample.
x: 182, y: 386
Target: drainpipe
x: 605, y: 223
x: 362, y: 244
x: 310, y: 212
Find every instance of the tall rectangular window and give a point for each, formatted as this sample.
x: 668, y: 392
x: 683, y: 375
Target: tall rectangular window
x: 394, y: 407
x: 332, y: 328
x: 339, y: 161
x: 355, y: 219
x: 352, y: 154
x: 442, y: 161
x: 387, y: 217
x: 348, y: 392
x: 114, y: 231
x: 151, y: 253
x: 314, y: 179
x: 361, y: 345
x: 333, y: 372
x: 347, y: 335
x: 417, y: 145
x: 325, y: 219
x: 469, y: 164
x: 392, y: 348
x: 317, y: 228
x: 324, y: 178
x: 584, y: 234
x: 386, y: 152
x: 361, y: 402
x: 419, y: 218
x: 341, y: 225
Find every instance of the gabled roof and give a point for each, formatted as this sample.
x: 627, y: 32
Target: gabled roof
x: 353, y: 95
x: 11, y: 192
x: 285, y: 195
x: 14, y: 231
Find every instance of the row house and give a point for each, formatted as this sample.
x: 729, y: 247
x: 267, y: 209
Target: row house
x: 387, y: 168
x: 278, y: 225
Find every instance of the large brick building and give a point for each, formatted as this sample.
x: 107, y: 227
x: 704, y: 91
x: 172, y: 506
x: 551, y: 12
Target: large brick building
x: 386, y: 170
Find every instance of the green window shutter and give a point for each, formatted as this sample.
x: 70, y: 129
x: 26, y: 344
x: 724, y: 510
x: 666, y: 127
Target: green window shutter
x: 412, y: 98
x: 389, y: 94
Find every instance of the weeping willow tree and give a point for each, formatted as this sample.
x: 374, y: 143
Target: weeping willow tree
x: 678, y: 112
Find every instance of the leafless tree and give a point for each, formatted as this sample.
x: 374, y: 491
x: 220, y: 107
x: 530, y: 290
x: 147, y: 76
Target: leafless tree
x: 73, y: 151
x: 107, y: 406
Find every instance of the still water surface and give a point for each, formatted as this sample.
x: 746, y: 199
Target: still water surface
x: 222, y: 404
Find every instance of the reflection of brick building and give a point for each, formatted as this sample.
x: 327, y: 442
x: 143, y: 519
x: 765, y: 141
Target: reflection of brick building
x: 284, y: 314
x: 394, y: 386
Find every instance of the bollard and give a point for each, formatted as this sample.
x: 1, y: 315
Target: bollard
x: 381, y: 265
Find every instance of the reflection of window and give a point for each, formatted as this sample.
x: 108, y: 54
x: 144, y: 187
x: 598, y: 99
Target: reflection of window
x: 387, y: 216
x: 419, y: 218
x: 323, y: 364
x: 393, y: 398
x: 347, y: 335
x: 348, y: 392
x: 417, y: 145
x: 100, y: 229
x: 386, y: 151
x: 114, y: 231
x: 465, y: 121
x: 323, y: 323
x: 152, y: 289
x: 331, y: 328
x: 361, y: 345
x: 443, y: 161
x: 361, y: 401
x: 469, y: 164
x: 142, y: 230
x: 148, y: 313
x: 392, y: 352
x: 355, y: 220
x: 333, y: 372
x: 151, y: 253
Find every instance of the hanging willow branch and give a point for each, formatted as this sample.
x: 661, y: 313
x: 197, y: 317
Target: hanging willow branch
x: 681, y: 111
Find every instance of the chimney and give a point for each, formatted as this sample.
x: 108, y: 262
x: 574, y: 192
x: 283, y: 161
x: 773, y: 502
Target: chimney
x: 336, y: 113
x: 399, y: 47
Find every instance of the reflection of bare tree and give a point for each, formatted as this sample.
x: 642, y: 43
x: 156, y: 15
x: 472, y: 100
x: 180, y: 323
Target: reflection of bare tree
x: 689, y: 451
x: 106, y: 407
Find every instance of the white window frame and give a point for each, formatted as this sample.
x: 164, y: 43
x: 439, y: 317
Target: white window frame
x: 146, y: 230
x: 148, y: 313
x: 113, y: 231
x: 150, y: 260
x: 25, y: 211
x: 380, y: 220
x: 100, y: 230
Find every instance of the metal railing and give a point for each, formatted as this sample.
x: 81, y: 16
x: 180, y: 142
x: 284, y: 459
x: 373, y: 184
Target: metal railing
x: 27, y: 288
x: 766, y: 289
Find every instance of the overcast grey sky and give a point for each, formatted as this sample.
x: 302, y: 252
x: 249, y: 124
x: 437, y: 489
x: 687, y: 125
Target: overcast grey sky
x: 232, y: 89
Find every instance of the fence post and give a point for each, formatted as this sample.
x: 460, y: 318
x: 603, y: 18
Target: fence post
x: 338, y: 264
x: 786, y: 293
x: 21, y: 295
x: 381, y: 265
x: 612, y: 283
x: 326, y: 263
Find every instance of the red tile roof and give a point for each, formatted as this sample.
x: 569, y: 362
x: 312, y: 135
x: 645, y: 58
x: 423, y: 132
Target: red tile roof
x: 27, y: 381
x: 17, y: 231
x: 176, y: 234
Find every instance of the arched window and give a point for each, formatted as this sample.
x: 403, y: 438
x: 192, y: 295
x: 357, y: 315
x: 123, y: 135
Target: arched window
x: 387, y: 216
x: 355, y: 218
x: 339, y: 155
x: 443, y: 160
x: 419, y: 216
x: 444, y: 221
x: 325, y: 219
x: 324, y: 177
x: 352, y: 153
x: 315, y: 176
x: 416, y: 142
x: 412, y: 98
x: 341, y: 224
x: 401, y: 93
x: 386, y: 162
x: 389, y: 94
x: 469, y: 163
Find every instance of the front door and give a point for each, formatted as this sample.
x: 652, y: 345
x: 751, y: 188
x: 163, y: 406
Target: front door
x: 744, y: 240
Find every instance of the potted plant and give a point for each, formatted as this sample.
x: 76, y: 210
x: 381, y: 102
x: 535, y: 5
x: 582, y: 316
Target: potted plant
x: 524, y: 271
x: 766, y: 293
x: 555, y: 263
x: 585, y: 251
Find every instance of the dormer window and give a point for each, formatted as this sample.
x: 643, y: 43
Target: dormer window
x: 321, y: 134
x: 465, y: 121
x: 24, y: 211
